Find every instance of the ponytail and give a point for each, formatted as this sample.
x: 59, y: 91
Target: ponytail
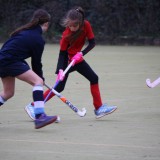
x: 75, y: 14
x: 40, y: 16
x: 81, y: 11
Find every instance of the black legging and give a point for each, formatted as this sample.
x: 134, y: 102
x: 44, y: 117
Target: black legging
x: 84, y: 69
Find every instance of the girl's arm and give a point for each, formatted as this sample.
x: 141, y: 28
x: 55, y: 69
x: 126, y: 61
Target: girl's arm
x: 89, y: 47
x: 62, y: 61
x: 36, y: 60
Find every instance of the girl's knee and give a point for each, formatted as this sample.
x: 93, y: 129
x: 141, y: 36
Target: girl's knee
x: 59, y: 88
x: 95, y: 79
x: 39, y: 81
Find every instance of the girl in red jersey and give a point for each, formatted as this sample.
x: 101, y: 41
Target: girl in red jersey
x: 73, y: 39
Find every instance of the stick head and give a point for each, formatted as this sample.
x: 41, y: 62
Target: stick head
x: 148, y: 82
x: 82, y: 113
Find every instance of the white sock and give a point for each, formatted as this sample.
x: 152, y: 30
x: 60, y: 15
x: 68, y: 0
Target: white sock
x: 38, y: 99
x: 2, y: 100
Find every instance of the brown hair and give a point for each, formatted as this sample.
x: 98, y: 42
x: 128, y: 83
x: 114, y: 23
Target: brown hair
x: 39, y: 17
x: 75, y: 14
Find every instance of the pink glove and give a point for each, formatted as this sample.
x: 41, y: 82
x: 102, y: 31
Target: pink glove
x: 60, y: 75
x: 77, y: 57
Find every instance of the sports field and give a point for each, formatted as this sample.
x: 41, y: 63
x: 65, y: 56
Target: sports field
x: 130, y: 133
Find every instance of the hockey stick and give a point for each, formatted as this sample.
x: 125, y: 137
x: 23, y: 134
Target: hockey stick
x: 57, y: 82
x: 81, y: 113
x: 152, y: 84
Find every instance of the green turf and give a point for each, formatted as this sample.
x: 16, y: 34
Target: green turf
x: 130, y: 133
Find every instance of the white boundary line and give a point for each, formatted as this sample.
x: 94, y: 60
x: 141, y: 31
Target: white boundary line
x: 79, y: 143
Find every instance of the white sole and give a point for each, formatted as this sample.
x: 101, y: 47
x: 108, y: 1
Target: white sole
x: 29, y: 113
x: 102, y: 115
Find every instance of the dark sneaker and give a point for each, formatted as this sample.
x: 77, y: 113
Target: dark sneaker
x: 44, y: 120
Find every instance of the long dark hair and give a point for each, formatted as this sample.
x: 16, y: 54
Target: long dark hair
x: 39, y: 17
x: 75, y: 14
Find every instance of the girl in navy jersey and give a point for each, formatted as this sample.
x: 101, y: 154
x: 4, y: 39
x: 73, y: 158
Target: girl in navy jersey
x: 26, y: 42
x: 77, y: 31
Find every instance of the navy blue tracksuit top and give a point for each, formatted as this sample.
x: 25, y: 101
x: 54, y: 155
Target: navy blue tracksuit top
x: 25, y: 44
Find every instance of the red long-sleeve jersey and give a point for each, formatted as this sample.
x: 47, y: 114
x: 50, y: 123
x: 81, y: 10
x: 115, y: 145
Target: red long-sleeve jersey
x: 78, y: 44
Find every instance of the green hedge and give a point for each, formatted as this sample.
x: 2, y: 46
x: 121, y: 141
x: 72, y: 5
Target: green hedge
x: 113, y: 21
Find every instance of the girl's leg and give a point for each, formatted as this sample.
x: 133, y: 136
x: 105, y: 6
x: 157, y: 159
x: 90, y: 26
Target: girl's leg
x: 30, y: 107
x: 97, y: 101
x: 85, y: 70
x: 37, y: 83
x: 100, y: 109
x: 8, y: 89
x: 33, y: 79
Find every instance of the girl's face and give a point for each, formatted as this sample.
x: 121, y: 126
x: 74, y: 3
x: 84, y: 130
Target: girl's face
x: 73, y: 26
x: 45, y: 26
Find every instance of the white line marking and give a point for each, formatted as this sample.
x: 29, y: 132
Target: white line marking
x: 79, y: 143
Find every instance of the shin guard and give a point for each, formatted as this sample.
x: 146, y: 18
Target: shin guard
x: 97, y: 102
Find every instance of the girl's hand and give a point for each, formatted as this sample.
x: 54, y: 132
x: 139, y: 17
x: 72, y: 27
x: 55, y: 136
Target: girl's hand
x: 60, y: 76
x: 77, y: 57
